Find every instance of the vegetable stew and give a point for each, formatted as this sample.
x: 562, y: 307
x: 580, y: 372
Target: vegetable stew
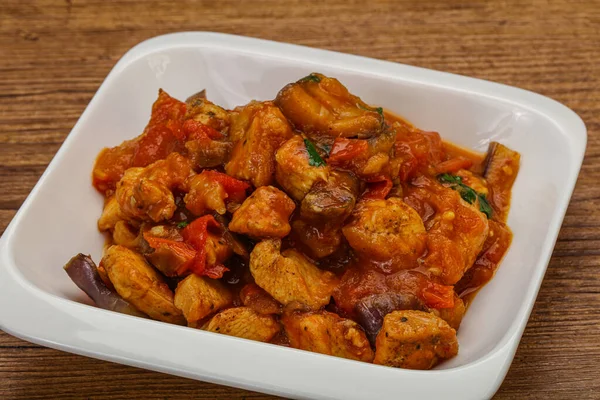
x: 315, y: 221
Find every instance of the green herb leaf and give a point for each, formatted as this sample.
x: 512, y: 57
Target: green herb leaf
x: 447, y: 178
x: 314, y: 159
x: 311, y: 78
x: 467, y: 193
x: 484, y: 206
x: 182, y: 224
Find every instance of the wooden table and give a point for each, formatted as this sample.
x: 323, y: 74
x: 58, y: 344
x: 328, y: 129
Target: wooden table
x: 55, y: 54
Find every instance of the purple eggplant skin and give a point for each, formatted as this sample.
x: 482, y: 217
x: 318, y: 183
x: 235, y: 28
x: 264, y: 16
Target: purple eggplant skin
x: 83, y: 272
x: 372, y: 309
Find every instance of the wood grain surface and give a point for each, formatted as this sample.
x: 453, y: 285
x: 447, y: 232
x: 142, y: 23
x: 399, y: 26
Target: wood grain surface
x: 55, y: 54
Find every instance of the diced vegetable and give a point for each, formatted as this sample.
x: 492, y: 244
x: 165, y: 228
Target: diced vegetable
x: 467, y: 194
x: 83, y: 272
x: 196, y: 235
x: 314, y: 159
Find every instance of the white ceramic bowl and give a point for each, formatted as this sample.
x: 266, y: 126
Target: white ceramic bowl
x: 39, y: 303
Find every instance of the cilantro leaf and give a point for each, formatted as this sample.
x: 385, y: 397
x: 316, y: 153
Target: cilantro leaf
x: 314, y: 159
x: 484, y: 206
x: 467, y: 193
x: 182, y: 224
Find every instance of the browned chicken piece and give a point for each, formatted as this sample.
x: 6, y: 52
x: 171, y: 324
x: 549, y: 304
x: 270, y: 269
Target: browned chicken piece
x: 256, y: 298
x: 110, y: 215
x: 198, y: 297
x: 387, y: 230
x: 207, y: 113
x: 244, y: 322
x: 139, y: 284
x: 414, y: 340
x: 453, y: 316
x: 293, y: 170
x: 205, y: 195
x: 327, y: 333
x: 146, y: 193
x: 290, y: 276
x: 126, y: 235
x: 454, y: 240
x: 332, y: 200
x: 323, y: 108
x: 264, y: 214
x: 257, y: 131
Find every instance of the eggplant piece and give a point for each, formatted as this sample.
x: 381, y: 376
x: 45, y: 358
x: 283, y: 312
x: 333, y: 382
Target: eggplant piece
x: 371, y: 310
x: 500, y: 169
x: 83, y: 272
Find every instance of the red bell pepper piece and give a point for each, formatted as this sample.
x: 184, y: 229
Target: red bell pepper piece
x: 196, y: 234
x: 235, y: 189
x: 195, y: 130
x: 379, y: 188
x: 346, y: 150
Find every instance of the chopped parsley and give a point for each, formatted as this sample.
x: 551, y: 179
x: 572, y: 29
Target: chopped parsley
x: 182, y: 224
x: 467, y: 193
x: 314, y: 159
x: 311, y: 78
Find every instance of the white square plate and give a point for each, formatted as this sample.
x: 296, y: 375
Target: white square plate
x: 39, y: 303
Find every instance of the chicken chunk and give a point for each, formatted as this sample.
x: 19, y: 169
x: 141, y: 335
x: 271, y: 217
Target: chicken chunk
x: 290, y: 276
x: 257, y: 131
x: 244, y: 322
x: 294, y: 172
x: 139, y: 284
x: 259, y: 300
x: 414, y: 340
x: 207, y: 113
x: 453, y: 316
x: 198, y: 297
x: 146, y: 193
x: 210, y: 190
x: 327, y: 333
x: 264, y: 214
x: 456, y: 230
x: 387, y: 230
x: 111, y: 214
x: 323, y: 108
x: 126, y: 235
